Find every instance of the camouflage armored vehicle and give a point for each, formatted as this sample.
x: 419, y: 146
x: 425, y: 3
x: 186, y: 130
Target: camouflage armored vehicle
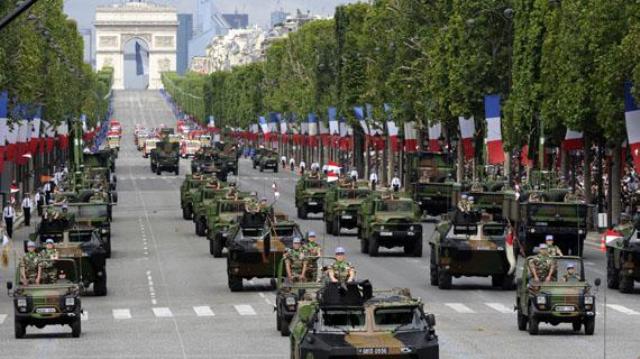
x: 489, y: 198
x: 53, y: 301
x: 206, y: 197
x: 191, y: 182
x: 165, y: 157
x: 229, y: 158
x: 257, y: 245
x: 221, y: 218
x: 623, y: 260
x: 341, y: 204
x: 353, y: 321
x: 94, y: 214
x: 538, y: 213
x: 102, y: 158
x: 471, y: 245
x: 207, y: 161
x: 310, y: 192
x: 563, y: 299
x: 81, y: 243
x: 268, y: 160
x: 431, y: 182
x: 390, y: 220
x: 257, y: 156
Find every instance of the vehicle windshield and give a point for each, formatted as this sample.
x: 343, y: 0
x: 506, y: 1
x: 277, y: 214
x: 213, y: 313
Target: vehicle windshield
x: 558, y: 210
x: 80, y: 237
x: 403, y: 318
x: 286, y: 231
x: 232, y: 207
x: 493, y: 230
x: 316, y: 184
x: 92, y: 211
x: 150, y: 144
x: 562, y: 273
x: 343, y: 320
x: 353, y: 194
x: 394, y: 206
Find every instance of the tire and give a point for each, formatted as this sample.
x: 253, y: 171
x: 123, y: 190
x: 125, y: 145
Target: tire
x: 508, y: 282
x: 364, y: 246
x: 533, y: 323
x: 335, y: 229
x: 373, y: 246
x: 189, y: 212
x: 20, y: 330
x: 107, y: 247
x: 327, y: 227
x: 444, y: 279
x: 215, y: 247
x: 100, y: 285
x: 613, y: 275
x: 576, y: 326
x: 185, y: 214
x: 200, y: 230
x: 417, y: 248
x: 274, y: 283
x: 261, y: 169
x: 235, y: 284
x: 177, y: 171
x: 284, y: 328
x: 589, y: 325
x: 433, y: 268
x: 278, y: 322
x: 158, y: 171
x: 114, y: 197
x: 76, y: 328
x: 275, y: 170
x: 522, y: 321
x: 496, y: 280
x: 626, y: 283
x: 302, y: 212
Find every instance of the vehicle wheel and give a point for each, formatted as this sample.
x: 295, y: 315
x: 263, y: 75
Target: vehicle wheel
x: 364, y: 246
x: 76, y: 328
x: 589, y: 326
x: 444, y: 279
x: 433, y: 268
x: 200, y: 230
x: 273, y: 283
x: 508, y: 282
x: 19, y: 329
x: 100, y: 285
x: 177, y: 171
x: 373, y: 246
x: 185, y: 213
x: 496, y: 280
x: 261, y: 169
x: 613, y: 276
x: 302, y: 212
x: 417, y: 248
x: 335, y: 230
x: 235, y: 284
x: 625, y: 283
x: 576, y: 326
x: 533, y: 322
x: 189, y: 211
x: 215, y: 246
x: 284, y: 328
x: 158, y: 171
x: 278, y: 322
x: 522, y: 321
x: 107, y: 247
x: 327, y: 227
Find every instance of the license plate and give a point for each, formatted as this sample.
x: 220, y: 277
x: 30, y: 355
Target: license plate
x: 373, y: 351
x: 565, y: 308
x: 46, y: 310
x: 347, y: 216
x: 386, y: 234
x: 313, y: 203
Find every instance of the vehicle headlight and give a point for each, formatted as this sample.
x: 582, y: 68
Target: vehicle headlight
x: 532, y: 230
x: 411, y: 228
x: 382, y: 228
x: 541, y: 300
x: 70, y: 301
x: 580, y: 231
x: 104, y: 231
x: 21, y: 302
x: 588, y: 300
x: 290, y: 301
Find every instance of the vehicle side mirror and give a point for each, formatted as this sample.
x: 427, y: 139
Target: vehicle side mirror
x: 431, y: 320
x: 597, y: 282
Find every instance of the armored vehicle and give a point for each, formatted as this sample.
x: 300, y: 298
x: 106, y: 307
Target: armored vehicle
x: 268, y: 160
x: 623, y: 260
x: 257, y: 156
x: 165, y: 157
x: 53, y: 301
x: 94, y: 214
x: 431, y: 182
x: 471, y: 245
x: 390, y: 220
x: 310, y: 192
x: 257, y: 246
x: 221, y: 218
x: 352, y: 320
x: 489, y: 198
x: 206, y: 197
x: 563, y: 299
x: 229, y: 158
x: 207, y: 161
x: 341, y: 204
x: 102, y: 158
x: 538, y: 213
x: 191, y: 182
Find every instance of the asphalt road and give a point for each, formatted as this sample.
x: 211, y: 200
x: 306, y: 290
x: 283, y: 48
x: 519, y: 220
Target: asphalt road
x: 168, y: 298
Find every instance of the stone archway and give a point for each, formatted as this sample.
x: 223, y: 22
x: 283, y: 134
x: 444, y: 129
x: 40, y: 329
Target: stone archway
x: 156, y: 25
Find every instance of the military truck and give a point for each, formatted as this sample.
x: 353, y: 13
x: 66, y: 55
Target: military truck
x: 220, y: 220
x: 390, y: 220
x: 207, y: 161
x: 431, y: 182
x: 489, y: 198
x: 556, y: 301
x: 341, y: 204
x: 558, y: 212
x: 268, y: 160
x: 51, y: 302
x: 205, y: 198
x: 257, y: 156
x: 310, y: 192
x: 257, y: 245
x: 96, y: 215
x: 191, y: 182
x: 471, y: 245
x: 165, y: 157
x: 102, y: 158
x: 623, y: 260
x: 352, y: 320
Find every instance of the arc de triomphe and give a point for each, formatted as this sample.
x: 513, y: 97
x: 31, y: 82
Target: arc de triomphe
x: 152, y: 24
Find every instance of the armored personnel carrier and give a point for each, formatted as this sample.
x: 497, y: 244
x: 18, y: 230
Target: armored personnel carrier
x: 623, y: 259
x: 165, y: 157
x: 341, y: 205
x: 310, y: 192
x: 432, y: 183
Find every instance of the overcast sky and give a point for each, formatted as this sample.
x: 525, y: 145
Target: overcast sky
x: 259, y: 10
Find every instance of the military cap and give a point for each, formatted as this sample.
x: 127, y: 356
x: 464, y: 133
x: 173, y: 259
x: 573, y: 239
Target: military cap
x: 49, y: 240
x: 297, y: 240
x: 470, y: 198
x: 464, y: 196
x: 548, y: 237
x: 312, y: 234
x: 571, y: 265
x: 340, y: 250
x: 31, y: 244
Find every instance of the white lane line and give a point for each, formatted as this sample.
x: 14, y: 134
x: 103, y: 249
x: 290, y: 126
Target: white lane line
x: 203, y: 311
x: 3, y: 317
x: 121, y: 314
x: 244, y: 309
x: 500, y: 308
x: 459, y: 307
x: 83, y: 316
x: 622, y: 309
x: 162, y: 312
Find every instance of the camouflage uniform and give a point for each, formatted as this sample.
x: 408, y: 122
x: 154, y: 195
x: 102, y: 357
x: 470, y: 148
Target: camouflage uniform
x: 571, y: 277
x: 30, y: 263
x: 341, y: 270
x: 554, y: 250
x: 49, y: 271
x: 312, y: 251
x: 542, y: 265
x: 295, y: 257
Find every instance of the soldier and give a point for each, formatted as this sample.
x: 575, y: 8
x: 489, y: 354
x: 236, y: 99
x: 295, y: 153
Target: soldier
x: 341, y: 271
x: 552, y: 248
x: 463, y: 204
x: 312, y: 251
x: 30, y: 269
x: 263, y: 203
x: 373, y: 179
x: 541, y: 266
x: 396, y: 183
x: 295, y: 264
x: 283, y: 160
x: 302, y: 167
x: 47, y: 255
x: 571, y: 275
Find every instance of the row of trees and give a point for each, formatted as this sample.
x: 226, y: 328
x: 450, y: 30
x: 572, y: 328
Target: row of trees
x: 41, y: 65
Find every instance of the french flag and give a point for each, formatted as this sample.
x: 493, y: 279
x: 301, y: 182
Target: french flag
x: 265, y: 127
x: 632, y: 120
x: 495, y: 151
x: 334, y: 129
x: 358, y: 112
x: 324, y: 133
x: 392, y: 129
x: 435, y: 131
x: 467, y: 130
x: 410, y: 137
x: 4, y: 114
x: 313, y: 129
x: 63, y: 135
x: 573, y: 141
x: 345, y: 140
x: 34, y: 143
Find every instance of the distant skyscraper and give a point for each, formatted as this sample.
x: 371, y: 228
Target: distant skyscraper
x: 278, y: 17
x: 237, y: 21
x: 185, y: 33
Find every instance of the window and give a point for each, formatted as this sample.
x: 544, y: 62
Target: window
x: 316, y: 184
x: 353, y: 194
x: 400, y: 318
x: 394, y: 206
x: 232, y: 207
x: 343, y: 320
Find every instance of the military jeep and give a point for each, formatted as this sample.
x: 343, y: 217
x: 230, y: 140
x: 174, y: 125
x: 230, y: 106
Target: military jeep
x: 353, y: 320
x: 310, y: 192
x: 341, y: 204
x: 268, y: 160
x: 207, y: 197
x: 221, y: 218
x: 190, y: 184
x: 96, y: 215
x: 53, y: 302
x: 623, y: 261
x: 556, y: 301
x: 390, y: 220
x: 257, y: 156
x: 257, y: 246
x: 165, y: 157
x: 466, y: 245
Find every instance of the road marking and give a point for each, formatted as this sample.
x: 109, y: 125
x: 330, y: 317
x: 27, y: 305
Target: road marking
x: 459, y: 307
x: 3, y: 317
x: 121, y: 314
x: 162, y: 312
x: 244, y: 309
x: 499, y: 307
x: 622, y: 309
x: 203, y: 311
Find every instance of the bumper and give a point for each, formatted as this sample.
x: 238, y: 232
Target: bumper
x: 314, y: 205
x: 48, y: 319
x: 397, y: 237
x: 428, y: 351
x: 553, y: 316
x: 474, y: 263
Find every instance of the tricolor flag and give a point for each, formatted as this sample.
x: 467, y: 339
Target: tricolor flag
x: 573, y: 141
x: 4, y: 114
x: 467, y: 130
x: 24, y: 135
x: 313, y: 129
x: 410, y: 137
x: 392, y: 129
x: 358, y: 112
x: 334, y: 129
x: 632, y: 121
x: 435, y: 131
x: 35, y: 141
x: 264, y: 126
x: 495, y: 152
x: 142, y: 60
x: 63, y: 135
x: 324, y: 133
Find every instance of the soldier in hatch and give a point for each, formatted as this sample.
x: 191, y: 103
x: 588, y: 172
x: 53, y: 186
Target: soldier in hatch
x: 47, y: 256
x: 30, y: 269
x: 312, y: 251
x: 341, y: 271
x: 553, y: 250
x: 541, y: 266
x: 295, y: 262
x: 571, y: 275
